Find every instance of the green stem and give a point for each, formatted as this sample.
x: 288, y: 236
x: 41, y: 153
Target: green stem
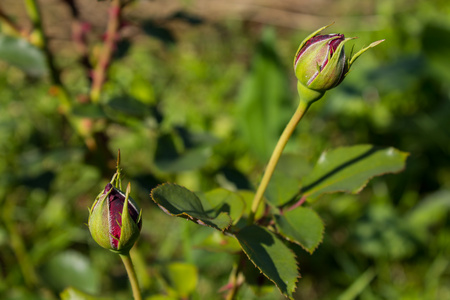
x: 307, y: 97
x: 126, y: 259
x: 276, y: 154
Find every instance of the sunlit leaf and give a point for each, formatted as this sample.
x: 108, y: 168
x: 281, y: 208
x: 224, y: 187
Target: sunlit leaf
x: 348, y: 169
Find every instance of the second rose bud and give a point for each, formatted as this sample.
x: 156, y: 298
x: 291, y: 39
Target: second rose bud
x: 320, y: 62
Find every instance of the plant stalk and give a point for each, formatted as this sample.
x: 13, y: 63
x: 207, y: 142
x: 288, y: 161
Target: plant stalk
x: 276, y: 154
x: 99, y: 73
x: 126, y: 259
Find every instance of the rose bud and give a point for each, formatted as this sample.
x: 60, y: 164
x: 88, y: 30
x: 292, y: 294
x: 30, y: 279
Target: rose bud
x: 320, y: 62
x: 115, y: 220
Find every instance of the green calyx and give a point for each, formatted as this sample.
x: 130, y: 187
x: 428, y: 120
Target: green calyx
x: 130, y: 230
x: 115, y: 219
x: 331, y: 75
x: 99, y: 220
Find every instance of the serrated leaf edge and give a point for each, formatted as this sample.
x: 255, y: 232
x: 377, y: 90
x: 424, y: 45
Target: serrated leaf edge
x: 310, y: 251
x: 186, y: 215
x: 296, y: 263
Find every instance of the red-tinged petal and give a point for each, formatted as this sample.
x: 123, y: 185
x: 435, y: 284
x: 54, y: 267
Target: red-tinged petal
x: 116, y: 200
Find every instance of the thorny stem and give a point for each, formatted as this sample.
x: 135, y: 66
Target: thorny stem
x: 99, y: 73
x: 276, y: 154
x: 126, y: 259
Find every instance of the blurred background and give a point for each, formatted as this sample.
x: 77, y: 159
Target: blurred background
x: 197, y: 93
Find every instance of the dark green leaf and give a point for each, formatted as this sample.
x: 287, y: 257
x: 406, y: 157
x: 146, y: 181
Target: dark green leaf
x: 302, y: 226
x: 259, y: 283
x: 20, y: 53
x: 348, y: 169
x: 178, y: 201
x: 271, y: 256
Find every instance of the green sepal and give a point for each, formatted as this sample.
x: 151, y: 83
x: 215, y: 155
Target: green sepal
x: 129, y: 231
x: 358, y: 54
x: 98, y: 220
x: 326, y: 80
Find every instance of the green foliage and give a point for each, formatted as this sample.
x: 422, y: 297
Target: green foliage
x: 201, y: 103
x: 271, y: 256
x: 20, y: 53
x: 348, y: 169
x: 178, y: 201
x: 301, y: 225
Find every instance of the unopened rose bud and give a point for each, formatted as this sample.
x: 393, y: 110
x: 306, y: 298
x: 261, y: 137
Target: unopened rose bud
x: 115, y: 220
x: 320, y: 62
